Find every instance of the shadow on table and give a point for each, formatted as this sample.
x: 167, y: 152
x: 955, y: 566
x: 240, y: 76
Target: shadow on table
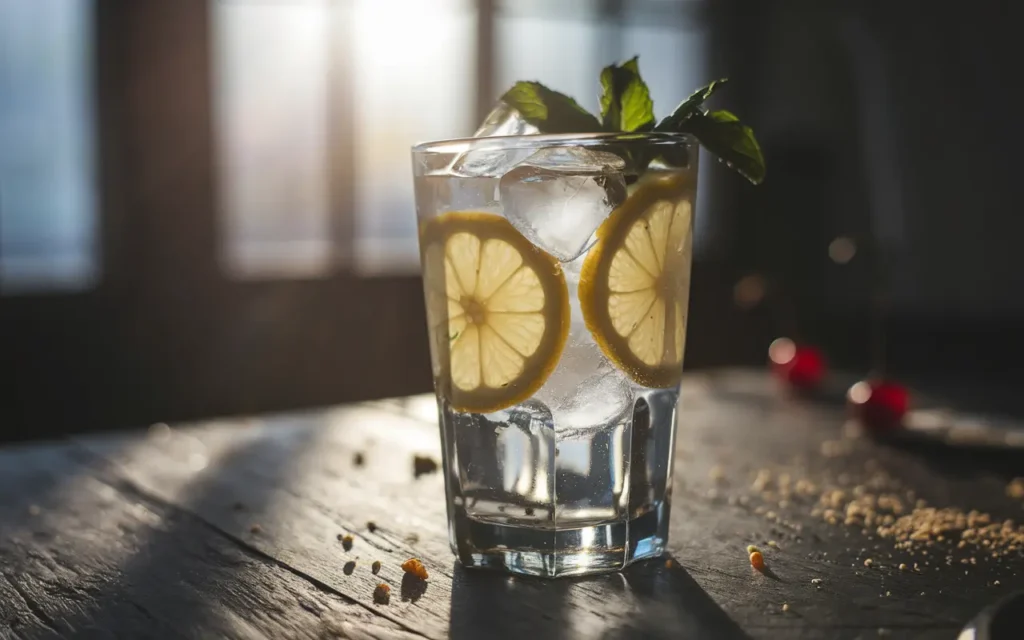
x: 165, y: 585
x: 647, y: 601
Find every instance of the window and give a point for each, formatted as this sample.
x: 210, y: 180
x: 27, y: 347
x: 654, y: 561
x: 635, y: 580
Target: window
x: 47, y: 173
x: 406, y: 71
x: 413, y: 76
x: 271, y: 75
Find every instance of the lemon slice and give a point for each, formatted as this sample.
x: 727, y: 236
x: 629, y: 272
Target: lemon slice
x: 635, y: 282
x: 498, y: 310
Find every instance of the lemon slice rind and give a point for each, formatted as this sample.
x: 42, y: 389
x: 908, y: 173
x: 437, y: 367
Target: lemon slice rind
x: 498, y: 308
x: 634, y: 302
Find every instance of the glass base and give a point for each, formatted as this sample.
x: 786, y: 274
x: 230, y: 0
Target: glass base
x: 556, y: 553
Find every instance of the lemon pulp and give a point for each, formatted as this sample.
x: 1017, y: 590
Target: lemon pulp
x: 497, y: 307
x: 634, y: 284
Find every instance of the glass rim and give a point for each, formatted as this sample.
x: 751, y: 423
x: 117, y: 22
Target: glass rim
x: 542, y: 140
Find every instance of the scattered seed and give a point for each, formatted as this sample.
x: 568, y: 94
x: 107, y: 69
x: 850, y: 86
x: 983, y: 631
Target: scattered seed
x: 995, y: 584
x: 888, y: 593
x: 757, y: 560
x: 382, y: 594
x: 414, y: 567
x: 816, y: 581
x: 349, y: 567
x: 785, y: 607
x: 371, y: 526
x: 868, y: 563
x: 358, y: 459
x: 772, y: 543
x: 752, y: 548
x: 375, y: 567
x: 529, y: 511
x: 903, y: 566
x: 346, y: 541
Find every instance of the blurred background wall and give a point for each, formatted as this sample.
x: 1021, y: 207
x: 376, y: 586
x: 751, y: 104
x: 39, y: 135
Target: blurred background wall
x: 206, y: 205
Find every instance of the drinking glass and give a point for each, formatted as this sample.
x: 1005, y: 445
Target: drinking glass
x: 556, y: 274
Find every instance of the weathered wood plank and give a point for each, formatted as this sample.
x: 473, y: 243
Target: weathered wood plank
x: 296, y: 478
x: 83, y: 556
x: 230, y: 529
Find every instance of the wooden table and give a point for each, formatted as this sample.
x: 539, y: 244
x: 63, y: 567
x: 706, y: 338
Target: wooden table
x: 231, y: 528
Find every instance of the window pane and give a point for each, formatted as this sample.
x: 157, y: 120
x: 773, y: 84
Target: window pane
x: 414, y: 69
x: 47, y: 168
x: 271, y: 78
x: 561, y: 52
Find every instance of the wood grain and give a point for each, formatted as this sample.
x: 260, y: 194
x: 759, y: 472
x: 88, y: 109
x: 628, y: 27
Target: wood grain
x: 230, y: 529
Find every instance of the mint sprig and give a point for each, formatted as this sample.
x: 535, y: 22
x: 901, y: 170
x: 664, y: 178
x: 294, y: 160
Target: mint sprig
x: 689, y: 107
x: 625, y: 101
x: 548, y: 110
x: 724, y: 135
x: 626, y: 106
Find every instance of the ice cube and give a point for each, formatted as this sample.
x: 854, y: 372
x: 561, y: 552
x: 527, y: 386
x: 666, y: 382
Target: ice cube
x: 600, y: 401
x: 532, y: 416
x: 579, y: 160
x: 489, y: 163
x: 503, y: 120
x: 559, y: 196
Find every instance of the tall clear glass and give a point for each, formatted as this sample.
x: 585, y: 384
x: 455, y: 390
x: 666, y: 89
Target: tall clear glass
x: 556, y: 274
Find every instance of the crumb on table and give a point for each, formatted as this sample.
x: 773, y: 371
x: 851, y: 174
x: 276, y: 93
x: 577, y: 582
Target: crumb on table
x: 414, y: 567
x: 422, y: 465
x: 758, y: 561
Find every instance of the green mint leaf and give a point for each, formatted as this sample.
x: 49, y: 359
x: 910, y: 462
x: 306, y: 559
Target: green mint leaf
x: 689, y: 107
x: 549, y: 111
x: 625, y: 100
x: 724, y: 135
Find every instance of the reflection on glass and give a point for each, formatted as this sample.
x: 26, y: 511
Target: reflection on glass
x: 271, y: 79
x: 414, y: 65
x: 47, y: 169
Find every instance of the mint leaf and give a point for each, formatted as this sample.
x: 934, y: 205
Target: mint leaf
x: 625, y: 101
x: 724, y: 135
x: 549, y: 111
x: 689, y: 107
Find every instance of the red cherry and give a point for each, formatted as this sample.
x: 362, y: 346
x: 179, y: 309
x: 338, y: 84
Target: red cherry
x: 879, y: 404
x: 801, y: 366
